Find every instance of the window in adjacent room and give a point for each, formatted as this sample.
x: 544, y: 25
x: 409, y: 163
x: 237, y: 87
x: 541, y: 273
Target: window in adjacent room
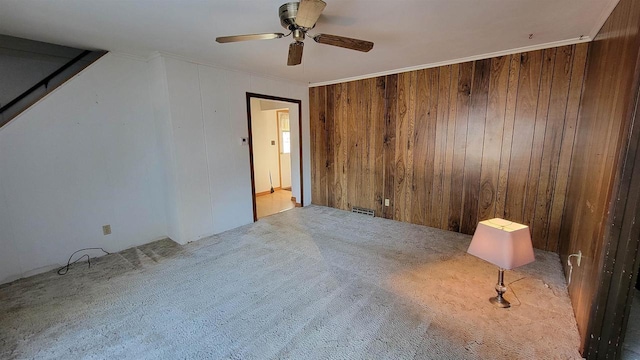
x: 285, y: 132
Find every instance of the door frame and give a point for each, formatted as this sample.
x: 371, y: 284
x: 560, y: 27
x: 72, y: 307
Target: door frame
x: 249, y: 96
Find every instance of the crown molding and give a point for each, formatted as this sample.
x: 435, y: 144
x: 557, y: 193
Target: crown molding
x: 547, y: 45
x: 217, y: 66
x: 611, y: 5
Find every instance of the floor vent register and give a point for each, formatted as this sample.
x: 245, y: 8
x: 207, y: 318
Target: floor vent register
x: 363, y: 211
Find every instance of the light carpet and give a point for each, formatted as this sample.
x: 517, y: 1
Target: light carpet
x: 309, y: 283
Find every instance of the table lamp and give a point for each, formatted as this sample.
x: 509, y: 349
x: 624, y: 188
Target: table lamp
x: 505, y: 244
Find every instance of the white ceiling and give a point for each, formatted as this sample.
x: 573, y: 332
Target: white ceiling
x: 407, y: 33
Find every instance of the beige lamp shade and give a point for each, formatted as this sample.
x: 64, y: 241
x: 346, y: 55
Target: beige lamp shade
x: 503, y: 243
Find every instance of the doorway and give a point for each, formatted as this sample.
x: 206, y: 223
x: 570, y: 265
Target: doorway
x: 275, y: 150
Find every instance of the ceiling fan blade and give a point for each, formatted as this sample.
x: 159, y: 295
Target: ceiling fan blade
x: 308, y: 12
x: 295, y: 53
x: 344, y: 42
x: 235, y: 38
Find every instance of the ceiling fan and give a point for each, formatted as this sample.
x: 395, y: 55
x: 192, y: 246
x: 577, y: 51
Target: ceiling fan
x: 299, y: 18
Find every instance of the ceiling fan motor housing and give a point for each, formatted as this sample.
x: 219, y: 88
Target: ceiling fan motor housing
x: 287, y: 13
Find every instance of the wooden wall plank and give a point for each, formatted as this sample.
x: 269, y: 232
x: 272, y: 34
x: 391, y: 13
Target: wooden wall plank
x: 410, y: 144
x: 354, y: 156
x: 389, y: 151
x: 365, y: 196
x: 433, y: 79
x: 493, y: 133
x: 474, y: 144
x: 566, y: 146
x: 450, y: 145
x: 402, y: 142
x: 507, y: 136
x: 465, y: 79
x: 454, y: 145
x: 314, y: 111
x: 419, y: 178
x: 404, y: 145
x: 440, y: 147
x: 321, y: 146
x: 341, y: 146
x: 544, y: 94
x: 331, y: 145
x: 523, y: 130
x: 552, y: 144
x: 378, y: 128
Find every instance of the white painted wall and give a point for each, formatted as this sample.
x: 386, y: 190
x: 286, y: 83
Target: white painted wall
x: 84, y: 156
x: 190, y: 148
x: 152, y: 148
x: 285, y: 169
x: 264, y: 130
x: 10, y: 264
x: 208, y: 118
x: 159, y: 90
x: 272, y: 105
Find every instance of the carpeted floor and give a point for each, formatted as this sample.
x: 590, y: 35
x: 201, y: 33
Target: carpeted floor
x: 309, y: 283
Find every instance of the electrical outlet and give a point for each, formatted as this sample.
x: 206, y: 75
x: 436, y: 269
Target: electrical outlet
x: 106, y: 229
x: 386, y: 202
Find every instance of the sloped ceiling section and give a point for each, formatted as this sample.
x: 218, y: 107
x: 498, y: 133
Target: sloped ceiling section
x: 23, y: 63
x: 408, y: 34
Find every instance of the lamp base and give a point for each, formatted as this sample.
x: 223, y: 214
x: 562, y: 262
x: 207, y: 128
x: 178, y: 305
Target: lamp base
x: 500, y: 302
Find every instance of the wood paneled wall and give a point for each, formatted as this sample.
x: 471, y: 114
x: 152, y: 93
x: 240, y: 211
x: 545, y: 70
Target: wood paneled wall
x: 591, y: 223
x: 453, y: 145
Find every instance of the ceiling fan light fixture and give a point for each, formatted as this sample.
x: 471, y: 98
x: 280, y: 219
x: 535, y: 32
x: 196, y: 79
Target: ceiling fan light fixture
x: 298, y: 34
